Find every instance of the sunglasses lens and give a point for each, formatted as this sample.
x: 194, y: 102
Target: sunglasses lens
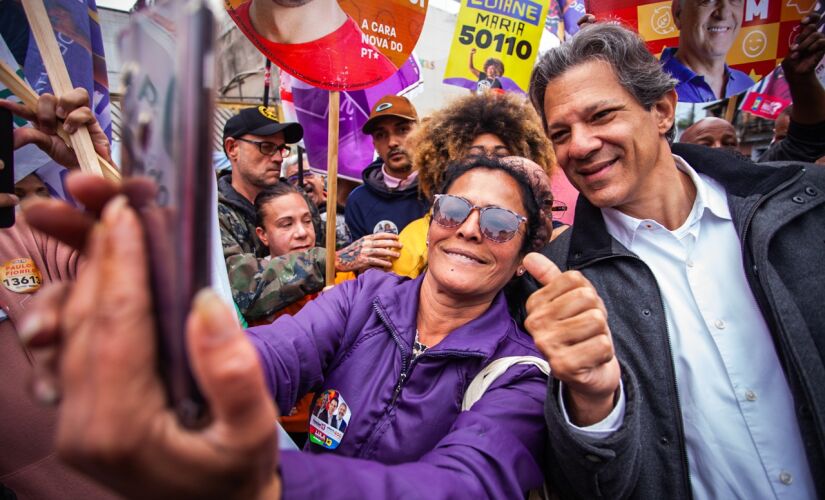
x: 450, y: 211
x: 498, y: 224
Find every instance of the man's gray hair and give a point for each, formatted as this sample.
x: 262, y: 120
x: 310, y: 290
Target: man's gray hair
x: 637, y: 70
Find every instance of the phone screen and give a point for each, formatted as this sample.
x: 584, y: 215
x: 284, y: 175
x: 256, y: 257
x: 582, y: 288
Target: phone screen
x: 167, y: 125
x: 7, y: 173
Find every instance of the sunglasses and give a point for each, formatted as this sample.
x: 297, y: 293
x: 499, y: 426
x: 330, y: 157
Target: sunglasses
x: 496, y: 223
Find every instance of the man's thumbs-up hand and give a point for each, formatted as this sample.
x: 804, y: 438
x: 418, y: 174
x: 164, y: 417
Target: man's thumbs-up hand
x: 568, y: 322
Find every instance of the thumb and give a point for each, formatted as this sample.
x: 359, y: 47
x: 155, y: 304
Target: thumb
x: 226, y: 366
x: 541, y: 268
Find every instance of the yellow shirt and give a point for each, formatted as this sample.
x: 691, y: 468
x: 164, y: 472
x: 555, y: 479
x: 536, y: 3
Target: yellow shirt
x: 413, y: 259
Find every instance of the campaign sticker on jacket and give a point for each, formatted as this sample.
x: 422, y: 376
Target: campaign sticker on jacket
x: 385, y: 226
x: 329, y: 419
x: 21, y: 275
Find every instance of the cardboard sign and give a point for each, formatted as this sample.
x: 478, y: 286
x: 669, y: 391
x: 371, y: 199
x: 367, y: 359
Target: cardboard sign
x: 495, y: 44
x: 755, y: 35
x: 333, y: 44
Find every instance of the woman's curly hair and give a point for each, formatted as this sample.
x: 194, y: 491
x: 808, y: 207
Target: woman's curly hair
x: 447, y: 134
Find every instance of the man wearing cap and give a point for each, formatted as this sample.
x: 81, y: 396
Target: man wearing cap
x: 256, y: 144
x: 388, y: 200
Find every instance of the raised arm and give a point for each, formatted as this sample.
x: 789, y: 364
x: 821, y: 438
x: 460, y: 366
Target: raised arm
x: 473, y: 69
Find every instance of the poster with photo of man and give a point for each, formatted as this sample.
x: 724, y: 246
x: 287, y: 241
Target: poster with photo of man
x: 715, y: 48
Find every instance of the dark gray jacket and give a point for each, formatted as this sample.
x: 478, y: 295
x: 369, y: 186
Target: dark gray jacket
x: 803, y: 143
x: 779, y: 213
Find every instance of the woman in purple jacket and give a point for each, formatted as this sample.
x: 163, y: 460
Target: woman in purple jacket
x: 398, y: 353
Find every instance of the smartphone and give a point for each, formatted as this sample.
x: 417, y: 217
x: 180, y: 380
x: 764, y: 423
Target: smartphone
x: 7, y: 173
x: 167, y: 51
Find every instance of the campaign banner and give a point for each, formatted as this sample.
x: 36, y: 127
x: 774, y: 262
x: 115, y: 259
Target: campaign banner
x: 495, y: 44
x: 333, y: 45
x: 309, y: 106
x: 755, y: 34
x: 768, y: 98
x: 764, y: 105
x: 77, y: 30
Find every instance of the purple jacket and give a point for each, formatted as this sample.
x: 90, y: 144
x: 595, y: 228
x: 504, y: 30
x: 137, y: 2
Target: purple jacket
x: 407, y: 436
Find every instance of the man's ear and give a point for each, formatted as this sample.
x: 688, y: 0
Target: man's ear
x: 665, y: 111
x: 262, y: 236
x: 676, y: 11
x: 231, y: 147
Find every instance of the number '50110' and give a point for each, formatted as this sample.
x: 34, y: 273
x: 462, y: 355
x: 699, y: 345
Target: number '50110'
x: 484, y: 38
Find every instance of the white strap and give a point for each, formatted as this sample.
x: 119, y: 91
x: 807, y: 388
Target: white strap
x: 493, y: 371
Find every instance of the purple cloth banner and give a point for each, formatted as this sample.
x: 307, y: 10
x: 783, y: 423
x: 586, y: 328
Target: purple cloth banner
x: 355, y: 150
x: 566, y: 12
x: 77, y: 29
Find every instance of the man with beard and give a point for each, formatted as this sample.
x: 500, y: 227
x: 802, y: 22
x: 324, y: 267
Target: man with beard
x: 388, y: 200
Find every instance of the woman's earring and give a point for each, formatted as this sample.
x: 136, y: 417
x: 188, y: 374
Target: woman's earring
x: 520, y: 271
x: 427, y: 242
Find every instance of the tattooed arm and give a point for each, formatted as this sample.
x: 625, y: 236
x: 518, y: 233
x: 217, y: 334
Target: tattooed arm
x: 373, y: 250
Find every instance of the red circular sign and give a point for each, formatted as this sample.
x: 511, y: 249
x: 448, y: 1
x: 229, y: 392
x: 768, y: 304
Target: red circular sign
x: 333, y: 44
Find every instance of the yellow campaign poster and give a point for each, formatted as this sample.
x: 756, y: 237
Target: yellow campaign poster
x: 495, y: 44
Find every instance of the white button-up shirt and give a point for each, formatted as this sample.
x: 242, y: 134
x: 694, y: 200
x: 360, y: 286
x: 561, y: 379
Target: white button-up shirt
x: 741, y: 432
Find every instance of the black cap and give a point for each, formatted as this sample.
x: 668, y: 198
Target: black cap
x: 261, y: 121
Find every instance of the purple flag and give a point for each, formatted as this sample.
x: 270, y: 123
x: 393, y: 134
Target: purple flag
x: 77, y: 30
x: 564, y: 12
x: 311, y: 109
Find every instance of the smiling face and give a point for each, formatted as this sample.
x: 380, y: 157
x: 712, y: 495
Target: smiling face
x: 605, y: 141
x: 287, y: 225
x: 462, y: 262
x: 711, y: 132
x: 708, y: 28
x: 389, y: 136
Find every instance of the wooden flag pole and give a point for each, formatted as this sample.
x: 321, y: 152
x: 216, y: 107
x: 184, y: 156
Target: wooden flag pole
x: 28, y: 96
x: 730, y: 109
x: 43, y: 33
x: 332, y: 181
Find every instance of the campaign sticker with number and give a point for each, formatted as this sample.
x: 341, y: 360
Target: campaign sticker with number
x: 21, y: 276
x: 329, y: 419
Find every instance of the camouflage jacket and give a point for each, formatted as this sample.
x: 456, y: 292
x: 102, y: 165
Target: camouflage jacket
x: 262, y: 286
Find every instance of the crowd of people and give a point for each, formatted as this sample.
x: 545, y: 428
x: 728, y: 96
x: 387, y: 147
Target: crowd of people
x: 669, y: 343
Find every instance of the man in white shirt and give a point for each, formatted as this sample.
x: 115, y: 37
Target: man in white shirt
x: 708, y: 379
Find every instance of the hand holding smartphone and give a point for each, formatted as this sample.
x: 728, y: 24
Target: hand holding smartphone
x: 167, y: 124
